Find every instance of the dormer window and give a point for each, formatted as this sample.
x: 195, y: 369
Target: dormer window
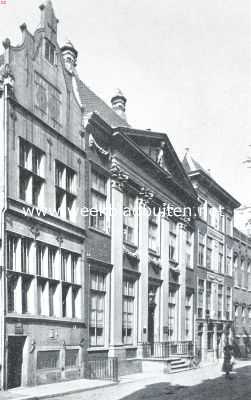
x: 50, y: 52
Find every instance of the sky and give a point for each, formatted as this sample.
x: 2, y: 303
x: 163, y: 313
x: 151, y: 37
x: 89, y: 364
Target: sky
x: 184, y: 66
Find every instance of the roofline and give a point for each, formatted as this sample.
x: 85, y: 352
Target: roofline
x: 192, y: 195
x: 144, y: 132
x: 164, y: 136
x: 219, y: 188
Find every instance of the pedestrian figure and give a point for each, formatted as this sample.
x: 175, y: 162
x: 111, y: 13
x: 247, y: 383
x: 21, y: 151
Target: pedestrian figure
x: 228, y: 360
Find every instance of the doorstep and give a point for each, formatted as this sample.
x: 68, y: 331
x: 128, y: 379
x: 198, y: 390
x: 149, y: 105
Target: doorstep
x: 54, y: 389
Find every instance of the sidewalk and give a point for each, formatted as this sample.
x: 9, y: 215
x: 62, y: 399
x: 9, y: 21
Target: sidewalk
x: 127, y: 384
x: 54, y: 389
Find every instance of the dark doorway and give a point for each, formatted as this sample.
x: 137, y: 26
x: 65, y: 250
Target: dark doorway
x: 199, y: 346
x: 15, y: 360
x: 151, y: 308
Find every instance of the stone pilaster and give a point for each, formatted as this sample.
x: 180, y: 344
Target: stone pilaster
x: 204, y: 343
x: 116, y: 295
x: 182, y: 290
x: 215, y: 341
x: 165, y: 277
x: 143, y: 269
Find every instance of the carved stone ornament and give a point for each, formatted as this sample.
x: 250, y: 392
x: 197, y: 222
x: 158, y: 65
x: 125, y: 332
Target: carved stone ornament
x: 160, y: 156
x: 35, y: 231
x: 119, y: 178
x: 97, y: 147
x: 32, y: 346
x: 132, y: 254
x: 6, y: 79
x: 145, y: 195
x: 155, y: 264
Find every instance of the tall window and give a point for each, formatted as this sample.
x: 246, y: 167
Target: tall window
x: 209, y: 215
x: 128, y: 311
x: 229, y: 261
x: 243, y: 283
x: 229, y: 226
x: 221, y: 219
x: 228, y: 303
x: 40, y: 250
x: 12, y: 288
x: 31, y: 181
x: 97, y: 309
x: 65, y: 180
x: 42, y: 297
x: 153, y: 232
x: 98, y: 200
x: 65, y: 296
x: 243, y: 313
x: 129, y: 218
x: 25, y: 254
x: 209, y: 299
x: 201, y: 209
x: 210, y: 334
x: 235, y: 265
x: 51, y: 262
x: 189, y: 249
x: 25, y: 294
x: 220, y: 258
x: 172, y: 314
x: 12, y: 253
x: 201, y: 250
x: 209, y: 252
x: 52, y: 298
x: 249, y: 275
x: 220, y: 301
x: 236, y: 312
x: 188, y: 316
x: 70, y: 284
x: 172, y: 241
x: 200, y: 298
x: 74, y: 267
x: 50, y: 52
x: 64, y: 265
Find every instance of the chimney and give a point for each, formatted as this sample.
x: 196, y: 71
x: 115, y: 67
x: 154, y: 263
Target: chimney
x: 70, y: 56
x: 119, y: 103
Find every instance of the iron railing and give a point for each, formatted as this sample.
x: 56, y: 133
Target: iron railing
x: 166, y: 349
x: 105, y: 368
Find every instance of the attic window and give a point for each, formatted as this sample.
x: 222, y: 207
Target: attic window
x: 50, y: 52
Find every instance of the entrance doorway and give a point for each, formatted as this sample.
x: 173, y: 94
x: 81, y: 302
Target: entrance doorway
x: 151, y: 309
x: 15, y: 361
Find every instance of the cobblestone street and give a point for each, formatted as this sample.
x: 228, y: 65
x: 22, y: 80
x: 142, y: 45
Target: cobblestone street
x: 207, y: 383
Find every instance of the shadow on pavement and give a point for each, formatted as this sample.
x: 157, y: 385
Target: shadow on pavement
x: 238, y: 388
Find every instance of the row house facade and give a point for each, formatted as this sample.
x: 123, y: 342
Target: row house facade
x: 140, y: 259
x: 44, y: 312
x: 75, y: 284
x: 214, y: 249
x: 242, y: 292
x: 101, y: 253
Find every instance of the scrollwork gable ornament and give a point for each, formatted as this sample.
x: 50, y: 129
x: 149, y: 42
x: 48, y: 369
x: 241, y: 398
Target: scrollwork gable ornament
x: 97, y: 147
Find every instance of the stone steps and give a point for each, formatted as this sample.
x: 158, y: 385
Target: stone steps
x: 175, y: 366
